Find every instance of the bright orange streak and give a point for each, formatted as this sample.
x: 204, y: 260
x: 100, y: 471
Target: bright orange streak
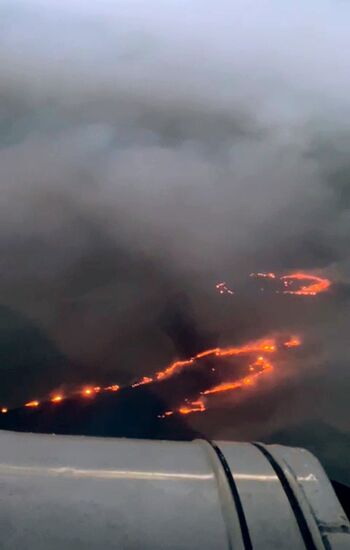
x: 260, y: 345
x: 258, y: 368
x: 87, y: 392
x: 194, y: 406
x: 260, y: 363
x: 4, y: 410
x: 32, y: 404
x: 224, y: 386
x: 56, y: 399
x: 174, y: 367
x: 202, y: 354
x: 316, y: 284
x: 144, y: 380
x: 113, y: 388
x: 294, y: 342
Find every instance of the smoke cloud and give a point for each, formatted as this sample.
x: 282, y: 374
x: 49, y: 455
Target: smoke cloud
x: 148, y: 151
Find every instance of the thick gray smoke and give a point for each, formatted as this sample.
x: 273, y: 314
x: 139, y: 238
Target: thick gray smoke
x: 149, y: 149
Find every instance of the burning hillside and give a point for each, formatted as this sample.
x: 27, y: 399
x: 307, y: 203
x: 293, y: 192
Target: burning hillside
x: 221, y: 366
x: 195, y: 384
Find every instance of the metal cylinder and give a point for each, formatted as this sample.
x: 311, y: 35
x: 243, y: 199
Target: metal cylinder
x: 98, y: 493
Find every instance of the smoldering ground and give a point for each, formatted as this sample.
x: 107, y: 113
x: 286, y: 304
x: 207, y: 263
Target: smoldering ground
x: 147, y: 153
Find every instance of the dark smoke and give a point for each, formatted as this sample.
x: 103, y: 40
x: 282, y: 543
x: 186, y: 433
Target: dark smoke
x: 145, y: 154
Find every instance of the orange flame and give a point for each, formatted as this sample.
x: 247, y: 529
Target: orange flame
x: 32, y: 404
x: 56, y: 399
x: 174, y: 367
x: 144, y: 380
x: 293, y: 342
x: 115, y: 387
x: 194, y: 406
x: 259, y: 367
x: 87, y: 392
x: 316, y: 284
x: 4, y: 410
x: 260, y: 364
x: 259, y: 345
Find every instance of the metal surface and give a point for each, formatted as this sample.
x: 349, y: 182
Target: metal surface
x: 315, y: 495
x: 98, y: 493
x: 271, y: 521
x: 78, y: 492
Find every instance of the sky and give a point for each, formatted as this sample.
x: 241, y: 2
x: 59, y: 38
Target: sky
x: 149, y: 150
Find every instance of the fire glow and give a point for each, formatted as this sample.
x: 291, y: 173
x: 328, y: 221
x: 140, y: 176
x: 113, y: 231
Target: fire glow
x: 115, y: 387
x: 258, y: 365
x: 56, y: 399
x: 315, y: 285
x: 32, y: 404
x: 257, y: 368
x: 296, y: 284
x: 294, y: 342
x: 222, y: 288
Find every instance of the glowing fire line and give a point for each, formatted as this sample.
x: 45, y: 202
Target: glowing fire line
x: 316, y: 284
x: 260, y: 366
x: 312, y: 286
